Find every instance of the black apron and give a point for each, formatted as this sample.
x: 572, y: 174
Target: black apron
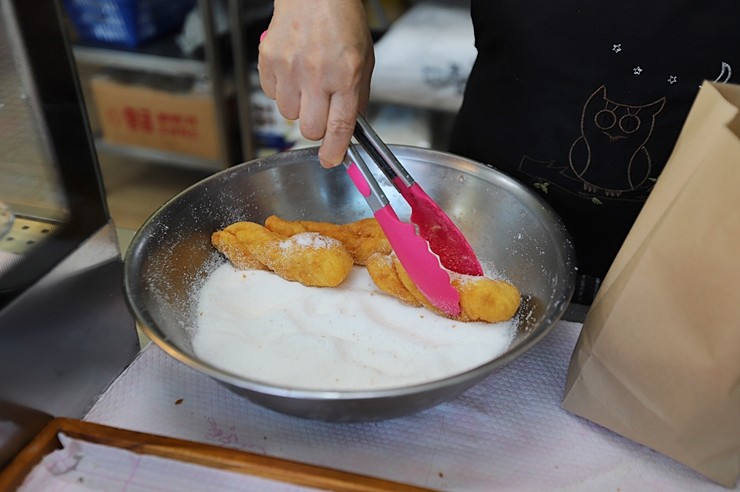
x: 583, y: 101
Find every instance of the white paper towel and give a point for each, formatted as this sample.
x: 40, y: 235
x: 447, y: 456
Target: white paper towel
x: 506, y: 433
x: 81, y: 466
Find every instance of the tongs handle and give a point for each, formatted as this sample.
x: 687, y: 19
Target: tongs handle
x: 381, y: 154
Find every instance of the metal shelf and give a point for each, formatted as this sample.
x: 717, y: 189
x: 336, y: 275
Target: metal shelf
x: 162, y: 56
x: 165, y: 56
x: 160, y: 156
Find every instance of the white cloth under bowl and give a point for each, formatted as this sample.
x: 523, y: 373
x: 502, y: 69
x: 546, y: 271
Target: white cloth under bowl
x: 506, y: 433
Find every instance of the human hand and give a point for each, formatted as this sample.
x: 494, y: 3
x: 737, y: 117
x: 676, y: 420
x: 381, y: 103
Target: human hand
x: 316, y: 61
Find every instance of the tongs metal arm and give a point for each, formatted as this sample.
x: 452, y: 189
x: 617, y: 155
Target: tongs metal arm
x: 380, y: 153
x: 364, y: 180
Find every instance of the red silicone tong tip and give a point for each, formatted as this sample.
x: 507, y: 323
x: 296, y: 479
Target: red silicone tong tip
x: 445, y: 239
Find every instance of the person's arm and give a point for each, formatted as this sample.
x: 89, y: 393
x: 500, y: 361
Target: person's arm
x: 316, y: 61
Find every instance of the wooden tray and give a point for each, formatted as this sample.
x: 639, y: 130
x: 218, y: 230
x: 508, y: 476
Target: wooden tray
x: 265, y: 467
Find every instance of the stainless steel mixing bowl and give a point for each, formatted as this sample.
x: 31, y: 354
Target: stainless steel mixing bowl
x: 505, y: 223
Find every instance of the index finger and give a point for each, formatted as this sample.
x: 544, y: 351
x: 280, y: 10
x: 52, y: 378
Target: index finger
x: 339, y: 128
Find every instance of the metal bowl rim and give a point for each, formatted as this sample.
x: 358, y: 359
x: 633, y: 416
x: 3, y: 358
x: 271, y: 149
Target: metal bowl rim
x: 469, y: 376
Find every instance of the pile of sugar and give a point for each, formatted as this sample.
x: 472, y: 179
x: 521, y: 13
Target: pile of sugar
x: 352, y: 337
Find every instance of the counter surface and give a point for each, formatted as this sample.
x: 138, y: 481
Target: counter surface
x: 508, y: 432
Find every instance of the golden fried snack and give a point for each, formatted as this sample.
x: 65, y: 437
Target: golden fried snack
x: 308, y: 258
x: 486, y: 299
x: 284, y: 227
x: 235, y: 251
x: 383, y: 272
x: 362, y: 238
x: 481, y: 298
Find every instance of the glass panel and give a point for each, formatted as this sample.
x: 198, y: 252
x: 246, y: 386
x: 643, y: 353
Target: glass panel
x: 51, y: 196
x: 31, y: 205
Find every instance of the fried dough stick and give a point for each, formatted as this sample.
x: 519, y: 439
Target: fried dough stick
x: 362, y: 238
x: 486, y: 299
x: 235, y: 251
x: 383, y: 272
x: 308, y: 257
x: 481, y: 298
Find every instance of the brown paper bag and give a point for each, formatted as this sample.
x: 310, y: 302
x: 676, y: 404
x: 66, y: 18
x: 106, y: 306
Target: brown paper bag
x: 658, y: 359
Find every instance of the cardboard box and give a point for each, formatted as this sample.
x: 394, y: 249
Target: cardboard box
x: 157, y: 112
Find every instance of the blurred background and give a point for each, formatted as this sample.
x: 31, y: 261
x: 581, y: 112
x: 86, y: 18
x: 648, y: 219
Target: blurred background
x: 172, y: 91
x: 169, y: 95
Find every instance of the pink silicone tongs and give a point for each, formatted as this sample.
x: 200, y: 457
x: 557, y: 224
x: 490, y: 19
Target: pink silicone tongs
x: 441, y: 244
x: 422, y: 265
x: 445, y: 239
